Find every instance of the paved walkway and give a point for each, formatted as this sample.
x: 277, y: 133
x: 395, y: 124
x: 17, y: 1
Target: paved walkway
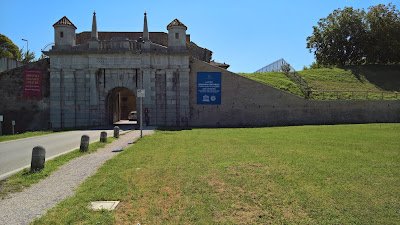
x: 16, y: 154
x: 33, y: 202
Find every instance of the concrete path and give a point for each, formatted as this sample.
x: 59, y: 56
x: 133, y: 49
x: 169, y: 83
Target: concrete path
x: 33, y: 202
x: 16, y: 155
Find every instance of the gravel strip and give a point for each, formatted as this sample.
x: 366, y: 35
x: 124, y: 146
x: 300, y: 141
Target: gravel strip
x: 33, y: 202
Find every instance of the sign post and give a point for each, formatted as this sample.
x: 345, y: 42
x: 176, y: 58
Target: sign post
x: 1, y: 120
x: 140, y: 94
x: 13, y: 124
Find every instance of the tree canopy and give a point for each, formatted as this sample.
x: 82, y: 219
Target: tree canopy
x: 8, y: 49
x: 351, y: 36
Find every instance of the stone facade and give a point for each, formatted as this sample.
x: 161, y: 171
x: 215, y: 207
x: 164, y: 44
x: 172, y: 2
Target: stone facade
x: 84, y: 77
x: 90, y: 84
x: 8, y: 64
x: 248, y: 103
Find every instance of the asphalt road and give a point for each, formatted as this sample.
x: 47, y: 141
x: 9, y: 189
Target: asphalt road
x: 16, y: 155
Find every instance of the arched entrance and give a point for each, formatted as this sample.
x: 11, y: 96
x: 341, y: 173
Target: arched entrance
x: 120, y: 103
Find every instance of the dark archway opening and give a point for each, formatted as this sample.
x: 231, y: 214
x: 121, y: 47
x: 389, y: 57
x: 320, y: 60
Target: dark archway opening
x: 121, y: 104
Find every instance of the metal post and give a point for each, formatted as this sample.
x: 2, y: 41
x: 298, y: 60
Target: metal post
x: 141, y: 107
x: 13, y: 124
x: 1, y: 119
x: 27, y: 48
x: 141, y: 117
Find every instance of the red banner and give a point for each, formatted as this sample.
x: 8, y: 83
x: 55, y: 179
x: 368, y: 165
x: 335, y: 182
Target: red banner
x: 32, y: 84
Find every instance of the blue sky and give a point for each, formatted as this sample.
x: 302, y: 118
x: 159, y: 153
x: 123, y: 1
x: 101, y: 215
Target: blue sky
x: 246, y: 34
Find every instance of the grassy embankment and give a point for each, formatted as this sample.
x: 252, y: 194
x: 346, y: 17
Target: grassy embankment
x: 39, y: 133
x: 275, y: 79
x: 24, y: 135
x: 360, y: 79
x: 342, y: 174
x: 25, y: 178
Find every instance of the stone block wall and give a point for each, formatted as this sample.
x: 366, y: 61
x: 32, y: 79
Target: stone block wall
x: 168, y: 103
x: 28, y: 114
x: 79, y: 96
x: 245, y: 102
x: 8, y: 64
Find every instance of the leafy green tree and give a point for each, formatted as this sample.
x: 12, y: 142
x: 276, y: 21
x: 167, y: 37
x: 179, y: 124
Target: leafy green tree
x: 8, y: 49
x: 315, y: 65
x: 27, y: 57
x: 338, y: 38
x: 383, y: 43
x: 348, y: 37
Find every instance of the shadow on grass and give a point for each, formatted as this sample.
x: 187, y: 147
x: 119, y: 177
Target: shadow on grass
x: 385, y: 77
x: 165, y: 128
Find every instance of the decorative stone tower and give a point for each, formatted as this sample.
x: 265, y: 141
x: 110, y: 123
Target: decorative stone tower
x: 176, y: 36
x: 94, y: 38
x: 64, y: 34
x: 146, y: 38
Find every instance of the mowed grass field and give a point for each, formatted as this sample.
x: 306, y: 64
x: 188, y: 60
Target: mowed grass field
x: 339, y: 174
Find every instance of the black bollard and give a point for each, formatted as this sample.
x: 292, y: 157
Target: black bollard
x: 84, y: 143
x: 116, y: 132
x: 103, y: 137
x: 38, y: 158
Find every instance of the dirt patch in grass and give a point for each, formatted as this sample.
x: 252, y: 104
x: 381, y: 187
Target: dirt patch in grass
x: 258, y: 201
x: 152, y: 203
x: 247, y: 214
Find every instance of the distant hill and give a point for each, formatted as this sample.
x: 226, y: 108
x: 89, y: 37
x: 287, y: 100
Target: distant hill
x: 359, y: 79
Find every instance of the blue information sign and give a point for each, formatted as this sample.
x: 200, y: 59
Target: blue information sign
x: 209, y: 88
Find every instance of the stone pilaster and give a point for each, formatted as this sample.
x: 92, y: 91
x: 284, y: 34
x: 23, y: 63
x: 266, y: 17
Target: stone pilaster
x: 153, y: 96
x: 68, y: 98
x: 82, y: 98
x: 145, y: 83
x: 93, y: 97
x: 55, y: 98
x: 184, y: 97
x: 102, y: 97
x: 171, y: 95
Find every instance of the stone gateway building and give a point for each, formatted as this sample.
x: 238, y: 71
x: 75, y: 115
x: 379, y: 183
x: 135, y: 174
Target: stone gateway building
x: 92, y: 78
x: 94, y: 81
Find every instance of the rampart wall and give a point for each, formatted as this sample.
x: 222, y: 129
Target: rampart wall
x: 28, y: 114
x: 8, y: 64
x: 245, y: 102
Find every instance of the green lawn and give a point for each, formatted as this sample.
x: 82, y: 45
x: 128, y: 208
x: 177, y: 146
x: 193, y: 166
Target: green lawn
x: 367, y: 77
x: 342, y: 174
x: 275, y: 79
x: 24, y: 135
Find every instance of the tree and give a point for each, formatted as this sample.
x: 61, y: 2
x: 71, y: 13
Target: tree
x: 338, y: 38
x: 348, y: 37
x: 8, y: 49
x: 383, y: 43
x: 27, y: 57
